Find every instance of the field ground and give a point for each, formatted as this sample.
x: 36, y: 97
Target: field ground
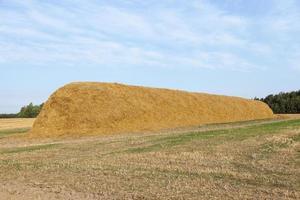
x: 245, y: 160
x: 15, y: 123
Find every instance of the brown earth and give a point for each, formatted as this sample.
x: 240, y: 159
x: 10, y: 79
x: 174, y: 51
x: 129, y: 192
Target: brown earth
x: 106, y: 108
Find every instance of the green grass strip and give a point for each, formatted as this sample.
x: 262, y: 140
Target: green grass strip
x: 227, y: 134
x: 8, y: 132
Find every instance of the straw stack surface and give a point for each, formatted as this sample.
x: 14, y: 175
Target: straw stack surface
x: 87, y: 108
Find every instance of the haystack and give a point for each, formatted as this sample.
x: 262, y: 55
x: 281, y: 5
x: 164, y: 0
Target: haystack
x: 108, y: 108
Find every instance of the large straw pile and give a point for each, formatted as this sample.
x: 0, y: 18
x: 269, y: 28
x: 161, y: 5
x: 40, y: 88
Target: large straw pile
x: 106, y: 108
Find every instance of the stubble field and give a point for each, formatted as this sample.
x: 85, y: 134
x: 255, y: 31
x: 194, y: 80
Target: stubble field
x: 245, y: 160
x: 16, y: 123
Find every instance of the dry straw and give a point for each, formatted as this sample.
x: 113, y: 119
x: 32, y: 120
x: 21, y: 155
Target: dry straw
x: 109, y: 108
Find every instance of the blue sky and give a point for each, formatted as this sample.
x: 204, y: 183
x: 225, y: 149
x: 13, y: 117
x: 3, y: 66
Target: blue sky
x: 232, y: 47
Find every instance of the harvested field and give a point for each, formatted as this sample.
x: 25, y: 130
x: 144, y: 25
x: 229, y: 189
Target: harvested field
x: 105, y: 108
x: 16, y: 123
x: 289, y: 116
x: 244, y: 160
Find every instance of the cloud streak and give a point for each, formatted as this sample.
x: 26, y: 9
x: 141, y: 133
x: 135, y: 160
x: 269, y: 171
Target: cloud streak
x: 198, y: 34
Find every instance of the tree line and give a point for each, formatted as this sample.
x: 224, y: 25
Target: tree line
x: 284, y: 102
x: 28, y: 111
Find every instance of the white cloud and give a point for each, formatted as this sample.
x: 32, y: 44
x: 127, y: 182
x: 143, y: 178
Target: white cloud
x: 200, y: 35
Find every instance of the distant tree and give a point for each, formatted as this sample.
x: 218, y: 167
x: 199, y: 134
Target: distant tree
x: 288, y: 102
x: 11, y: 115
x: 30, y: 111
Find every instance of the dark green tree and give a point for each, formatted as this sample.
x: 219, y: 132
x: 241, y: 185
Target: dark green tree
x: 284, y: 102
x: 30, y: 111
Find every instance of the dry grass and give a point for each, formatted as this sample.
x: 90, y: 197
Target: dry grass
x: 249, y: 160
x: 289, y: 116
x: 104, y: 108
x: 16, y: 123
